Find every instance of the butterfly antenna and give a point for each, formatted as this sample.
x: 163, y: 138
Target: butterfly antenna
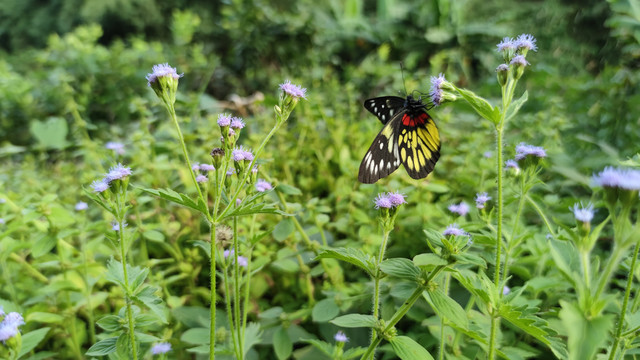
x: 403, y: 82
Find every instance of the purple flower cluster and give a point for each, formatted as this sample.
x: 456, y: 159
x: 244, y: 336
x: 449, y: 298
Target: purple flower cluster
x: 161, y: 348
x: 461, y: 209
x: 117, y: 172
x: 81, y: 205
x: 224, y: 120
x: 116, y: 227
x: 237, y: 123
x: 117, y: 147
x: 202, y: 178
x: 524, y: 41
x: 292, y: 90
x: 389, y: 200
x: 162, y: 70
x: 610, y: 177
x: 263, y: 185
x: 481, y: 199
x: 453, y: 230
x: 583, y: 213
x: 436, y: 92
x: 9, y: 325
x: 341, y: 337
x: 240, y: 153
x: 242, y: 261
x: 524, y: 150
x: 511, y: 164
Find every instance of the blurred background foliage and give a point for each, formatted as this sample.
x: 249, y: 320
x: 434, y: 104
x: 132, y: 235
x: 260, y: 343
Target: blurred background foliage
x: 72, y: 78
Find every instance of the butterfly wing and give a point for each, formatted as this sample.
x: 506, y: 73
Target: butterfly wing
x: 418, y: 143
x: 382, y: 158
x: 385, y: 107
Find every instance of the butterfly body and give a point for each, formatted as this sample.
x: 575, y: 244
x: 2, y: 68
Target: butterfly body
x: 409, y: 136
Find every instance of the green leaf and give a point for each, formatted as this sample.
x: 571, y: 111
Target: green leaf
x: 325, y: 310
x: 586, y: 336
x: 31, y: 339
x: 45, y: 317
x: 153, y: 235
x: 512, y: 110
x: 147, y: 297
x: 354, y: 321
x: 110, y: 323
x: 480, y: 105
x: 447, y: 308
x: 407, y: 349
x: 252, y: 336
x: 401, y: 268
x: 103, y: 347
x: 353, y: 256
x: 289, y: 190
x: 196, y: 336
x: 177, y: 198
x: 283, y: 229
x: 51, y: 134
x: 429, y: 260
x: 282, y: 344
x: 323, y: 346
x: 43, y: 245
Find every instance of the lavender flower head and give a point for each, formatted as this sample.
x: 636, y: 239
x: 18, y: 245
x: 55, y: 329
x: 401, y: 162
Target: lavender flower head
x: 506, y: 290
x: 81, y: 205
x: 461, y: 209
x: 231, y: 172
x: 435, y: 92
x: 224, y: 120
x: 237, y: 123
x: 9, y: 326
x: 396, y: 198
x: 583, y: 213
x: 511, y: 164
x: 116, y: 227
x: 341, y: 337
x: 99, y: 186
x: 507, y: 43
x: 207, y: 167
x: 617, y: 178
x: 502, y: 68
x: 453, y: 230
x: 519, y: 60
x: 162, y: 70
x: 487, y: 154
x: 263, y: 185
x: 238, y: 154
x: 2, y: 221
x: 161, y: 348
x: 481, y: 199
x: 115, y: 146
x: 243, y: 261
x: 248, y: 155
x: 201, y: 179
x: 118, y: 172
x: 383, y: 201
x: 525, y: 150
x: 526, y: 41
x: 292, y: 90
x: 195, y: 167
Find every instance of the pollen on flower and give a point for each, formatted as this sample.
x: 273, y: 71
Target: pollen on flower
x: 118, y: 172
x: 461, y: 209
x: 162, y: 70
x: 453, y: 230
x: 224, y: 120
x: 99, y: 186
x: 263, y: 185
x: 435, y: 93
x: 161, y: 348
x: 583, y: 213
x: 481, y: 199
x: 526, y: 41
x: 292, y: 90
x: 341, y: 337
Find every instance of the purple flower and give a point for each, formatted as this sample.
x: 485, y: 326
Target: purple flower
x: 231, y: 133
x: 506, y: 290
x: 583, y: 213
x: 519, y: 60
x: 292, y: 90
x: 2, y: 221
x: 481, y: 199
x: 81, y: 205
x: 201, y: 179
x: 238, y: 202
x: 248, y: 155
x: 231, y: 172
x: 243, y: 261
x: 195, y: 167
x: 526, y: 41
x: 263, y: 185
x: 436, y: 89
x: 487, y: 154
x: 507, y: 43
x: 383, y: 201
x: 453, y: 230
x: 115, y: 146
x: 162, y: 70
x: 511, y: 164
x: 161, y: 348
x: 238, y: 154
x: 99, y: 186
x: 617, y: 178
x: 207, y: 167
x: 9, y: 326
x: 116, y: 227
x: 461, y: 209
x: 224, y: 120
x: 502, y: 68
x: 255, y: 169
x: 117, y: 172
x: 341, y: 337
x: 523, y: 150
x: 237, y: 123
x: 396, y: 199
x: 227, y: 253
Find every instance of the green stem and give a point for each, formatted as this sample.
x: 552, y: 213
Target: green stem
x: 376, y: 281
x: 542, y: 215
x: 614, y: 260
x: 625, y: 302
x: 123, y: 258
x: 227, y: 300
x: 442, y: 320
x: 236, y: 286
x: 213, y: 293
x: 512, y: 237
x: 586, y: 271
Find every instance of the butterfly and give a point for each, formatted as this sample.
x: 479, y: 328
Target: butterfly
x: 409, y: 136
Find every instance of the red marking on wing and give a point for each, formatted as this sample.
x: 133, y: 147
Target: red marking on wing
x: 412, y: 122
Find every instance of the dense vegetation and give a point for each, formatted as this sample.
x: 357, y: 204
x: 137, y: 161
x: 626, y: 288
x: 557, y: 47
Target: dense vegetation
x: 72, y: 88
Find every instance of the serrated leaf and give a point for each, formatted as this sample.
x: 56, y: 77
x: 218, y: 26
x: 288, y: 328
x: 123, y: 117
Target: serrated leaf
x: 283, y: 229
x: 147, y: 297
x: 400, y: 268
x: 586, y: 336
x: 353, y: 256
x: 103, y: 347
x: 480, y: 105
x: 252, y: 336
x: 110, y: 323
x: 325, y: 310
x: 177, y: 198
x: 31, y: 339
x: 429, y: 259
x: 516, y: 105
x: 43, y: 245
x: 447, y: 308
x: 354, y: 321
x: 407, y: 349
x: 282, y: 344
